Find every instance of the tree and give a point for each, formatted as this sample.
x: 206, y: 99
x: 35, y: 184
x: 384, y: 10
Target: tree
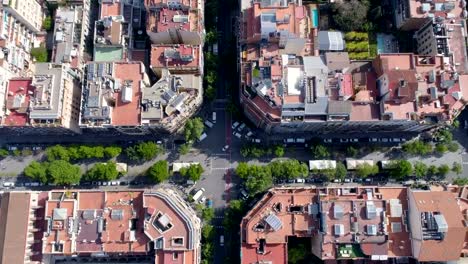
x: 453, y: 146
x: 432, y: 170
x: 143, y: 151
x: 47, y: 23
x: 443, y: 170
x: 279, y: 151
x: 456, y: 124
x: 460, y: 181
x: 61, y: 172
x: 159, y: 172
x: 193, y: 129
x: 365, y: 170
x: 184, y: 149
x: 207, y: 251
x: 256, y: 152
x: 102, y: 172
x: 340, y: 171
x: 417, y: 147
x: 210, y: 37
x: 420, y: 169
x: 36, y: 171
x: 242, y: 170
x: 441, y: 148
x: 208, y: 232
x: 350, y: 15
x: 4, y: 153
x: 401, y: 169
x: 457, y: 168
x: 297, y: 253
x: 352, y: 152
x: 193, y: 172
x: 208, y: 214
x: 57, y: 152
x: 259, y: 179
x: 39, y: 53
x: 320, y: 152
x: 112, y: 151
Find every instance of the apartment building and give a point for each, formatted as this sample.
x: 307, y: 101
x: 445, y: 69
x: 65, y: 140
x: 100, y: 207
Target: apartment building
x: 112, y: 95
x: 355, y: 223
x: 175, y: 22
x: 292, y: 83
x: 20, y: 221
x: 118, y: 31
x: 176, y: 31
x: 47, y: 103
x: 116, y: 224
x: 68, y: 42
x: 418, y: 87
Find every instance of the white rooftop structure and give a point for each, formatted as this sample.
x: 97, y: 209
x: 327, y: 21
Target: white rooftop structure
x: 322, y: 164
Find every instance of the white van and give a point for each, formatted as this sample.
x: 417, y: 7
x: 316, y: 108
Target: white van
x: 208, y: 124
x: 202, y: 137
x: 214, y: 117
x: 198, y: 194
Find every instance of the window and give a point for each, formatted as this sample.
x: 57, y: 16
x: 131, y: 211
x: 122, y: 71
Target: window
x: 178, y: 241
x: 175, y: 255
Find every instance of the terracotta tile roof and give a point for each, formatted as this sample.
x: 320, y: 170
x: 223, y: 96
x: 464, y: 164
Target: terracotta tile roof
x: 450, y: 247
x: 170, y: 56
x: 110, y: 9
x: 14, y: 217
x: 17, y: 101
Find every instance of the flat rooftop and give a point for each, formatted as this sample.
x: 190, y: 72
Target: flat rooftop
x: 175, y: 56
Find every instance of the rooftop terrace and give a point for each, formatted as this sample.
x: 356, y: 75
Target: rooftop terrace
x: 17, y: 102
x: 175, y: 56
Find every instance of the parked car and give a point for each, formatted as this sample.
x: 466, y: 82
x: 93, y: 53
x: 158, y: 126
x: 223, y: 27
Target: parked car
x: 327, y: 140
x: 244, y: 194
x: 249, y: 134
x: 300, y: 181
x: 221, y: 240
x: 9, y: 184
x: 202, y: 137
x: 238, y: 135
x: 344, y: 140
x: 235, y: 125
x: 208, y: 124
x: 373, y: 140
x: 337, y: 180
x: 347, y: 180
x: 214, y: 117
x: 256, y: 140
x: 384, y: 139
x: 225, y: 148
x: 241, y: 127
x: 209, y: 203
x: 354, y: 140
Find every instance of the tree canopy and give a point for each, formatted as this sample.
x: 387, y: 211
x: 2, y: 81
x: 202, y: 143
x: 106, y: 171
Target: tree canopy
x: 401, y: 169
x: 36, y: 171
x: 57, y: 152
x: 420, y: 169
x: 366, y: 170
x: 61, y: 172
x: 144, y: 151
x: 193, y: 129
x: 417, y: 147
x: 102, y: 172
x: 320, y: 152
x: 193, y: 172
x: 350, y: 15
x: 159, y: 172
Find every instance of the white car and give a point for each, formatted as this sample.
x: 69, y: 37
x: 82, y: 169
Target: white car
x: 8, y: 184
x: 300, y: 180
x: 384, y: 139
x: 396, y: 140
x: 327, y: 140
x: 373, y: 140
x: 225, y: 148
x: 203, y: 200
x: 249, y: 134
x: 235, y: 125
x: 344, y: 140
x: 347, y: 180
x: 238, y: 135
x: 337, y: 180
x: 354, y: 140
x: 242, y: 126
x: 113, y: 183
x: 256, y: 140
x: 208, y: 124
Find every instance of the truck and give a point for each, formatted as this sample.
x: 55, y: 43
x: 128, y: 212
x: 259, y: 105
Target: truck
x: 198, y: 194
